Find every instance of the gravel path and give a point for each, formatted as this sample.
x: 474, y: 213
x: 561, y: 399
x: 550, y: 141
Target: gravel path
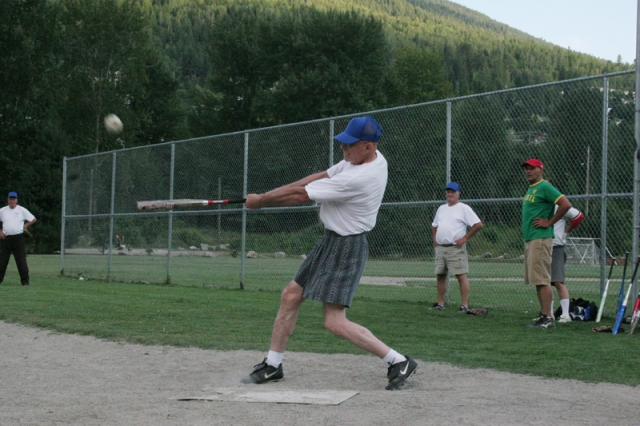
x: 47, y: 378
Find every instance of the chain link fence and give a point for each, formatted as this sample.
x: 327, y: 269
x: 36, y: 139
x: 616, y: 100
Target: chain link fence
x: 582, y: 129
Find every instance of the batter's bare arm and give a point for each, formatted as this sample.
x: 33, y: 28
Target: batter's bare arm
x: 287, y: 195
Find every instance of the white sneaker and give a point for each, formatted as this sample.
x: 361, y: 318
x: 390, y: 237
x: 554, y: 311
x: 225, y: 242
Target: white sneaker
x: 564, y: 319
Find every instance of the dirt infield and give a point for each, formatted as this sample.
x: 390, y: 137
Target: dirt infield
x: 48, y: 378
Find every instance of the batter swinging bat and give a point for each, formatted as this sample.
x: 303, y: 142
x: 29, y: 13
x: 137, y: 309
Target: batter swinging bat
x: 171, y: 204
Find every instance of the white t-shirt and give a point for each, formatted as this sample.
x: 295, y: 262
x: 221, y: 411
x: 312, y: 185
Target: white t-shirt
x: 350, y: 198
x: 13, y: 219
x: 452, y: 222
x: 559, y: 237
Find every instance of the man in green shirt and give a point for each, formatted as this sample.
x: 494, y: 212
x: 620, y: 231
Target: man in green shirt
x: 537, y: 227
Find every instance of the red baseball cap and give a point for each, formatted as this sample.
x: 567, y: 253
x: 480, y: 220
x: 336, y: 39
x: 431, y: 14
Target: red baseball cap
x: 533, y: 162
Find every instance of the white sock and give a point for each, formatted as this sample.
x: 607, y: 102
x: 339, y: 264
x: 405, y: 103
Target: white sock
x: 564, y: 303
x: 274, y: 359
x: 393, y: 357
x: 551, y: 307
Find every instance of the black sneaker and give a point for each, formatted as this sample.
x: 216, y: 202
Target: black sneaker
x: 437, y: 307
x: 543, y: 322
x: 264, y: 372
x: 463, y: 308
x: 399, y: 373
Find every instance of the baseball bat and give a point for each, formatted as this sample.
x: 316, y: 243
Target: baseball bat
x: 623, y: 308
x: 624, y: 274
x: 171, y: 204
x: 635, y: 317
x: 604, y: 293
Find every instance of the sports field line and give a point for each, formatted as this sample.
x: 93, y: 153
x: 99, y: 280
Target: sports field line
x: 401, y: 281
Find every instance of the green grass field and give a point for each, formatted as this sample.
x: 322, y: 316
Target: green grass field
x: 494, y: 283
x: 231, y: 319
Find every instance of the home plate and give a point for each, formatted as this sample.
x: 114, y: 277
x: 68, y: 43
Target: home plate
x: 278, y: 397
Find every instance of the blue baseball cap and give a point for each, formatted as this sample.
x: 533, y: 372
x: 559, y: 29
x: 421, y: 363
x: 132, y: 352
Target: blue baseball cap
x: 13, y: 194
x: 360, y: 129
x: 453, y: 185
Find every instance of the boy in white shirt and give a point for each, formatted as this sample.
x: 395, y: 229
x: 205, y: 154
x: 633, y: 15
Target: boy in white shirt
x: 559, y: 258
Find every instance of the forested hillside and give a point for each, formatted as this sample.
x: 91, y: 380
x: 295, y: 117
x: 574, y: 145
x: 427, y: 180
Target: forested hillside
x: 477, y: 53
x: 175, y: 69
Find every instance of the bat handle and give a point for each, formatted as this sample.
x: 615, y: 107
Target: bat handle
x: 213, y: 202
x: 616, y: 327
x: 602, y: 300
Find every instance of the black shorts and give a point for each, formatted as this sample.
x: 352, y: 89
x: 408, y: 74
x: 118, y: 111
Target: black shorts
x: 332, y: 271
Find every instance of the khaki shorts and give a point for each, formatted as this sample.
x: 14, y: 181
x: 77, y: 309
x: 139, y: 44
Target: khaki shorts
x: 451, y: 259
x: 537, y: 261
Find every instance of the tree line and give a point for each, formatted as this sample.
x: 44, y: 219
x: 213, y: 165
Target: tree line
x: 177, y: 69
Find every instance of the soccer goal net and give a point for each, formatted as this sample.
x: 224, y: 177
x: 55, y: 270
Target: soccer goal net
x: 583, y: 250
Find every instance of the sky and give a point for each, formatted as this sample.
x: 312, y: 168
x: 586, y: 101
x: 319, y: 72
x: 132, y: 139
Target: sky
x: 602, y: 28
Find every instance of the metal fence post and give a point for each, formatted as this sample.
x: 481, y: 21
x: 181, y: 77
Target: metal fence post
x: 111, y: 215
x: 243, y: 245
x: 448, y: 178
x: 332, y: 124
x: 90, y: 201
x: 448, y: 142
x: 603, y: 189
x: 62, y: 225
x: 636, y: 204
x: 636, y: 165
x: 219, y: 212
x: 169, y: 238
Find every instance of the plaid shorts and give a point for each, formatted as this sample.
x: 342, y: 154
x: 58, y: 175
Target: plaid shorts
x: 331, y: 273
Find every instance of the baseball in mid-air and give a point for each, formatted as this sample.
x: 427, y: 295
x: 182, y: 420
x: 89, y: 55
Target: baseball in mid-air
x: 113, y: 124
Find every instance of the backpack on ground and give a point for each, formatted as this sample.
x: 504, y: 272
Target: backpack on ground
x: 580, y: 310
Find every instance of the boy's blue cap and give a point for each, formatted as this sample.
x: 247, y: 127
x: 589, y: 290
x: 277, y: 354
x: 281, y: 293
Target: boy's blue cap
x: 453, y: 185
x: 360, y: 129
x: 13, y: 194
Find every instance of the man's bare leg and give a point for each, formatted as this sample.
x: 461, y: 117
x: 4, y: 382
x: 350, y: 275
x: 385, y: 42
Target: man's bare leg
x: 287, y: 317
x: 465, y: 288
x: 442, y: 288
x: 400, y: 367
x: 270, y: 369
x: 563, y: 295
x: 563, y: 292
x: 335, y: 320
x: 545, y: 295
